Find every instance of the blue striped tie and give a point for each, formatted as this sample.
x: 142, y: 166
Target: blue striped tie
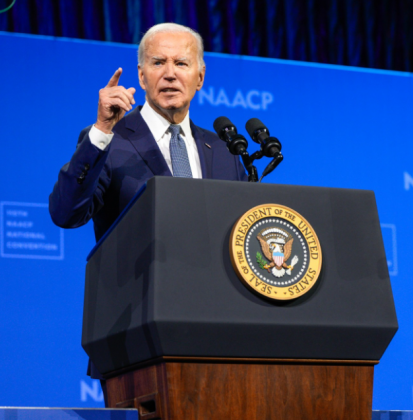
x: 179, y: 154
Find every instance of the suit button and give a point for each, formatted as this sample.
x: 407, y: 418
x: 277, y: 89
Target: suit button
x: 87, y: 167
x: 81, y: 178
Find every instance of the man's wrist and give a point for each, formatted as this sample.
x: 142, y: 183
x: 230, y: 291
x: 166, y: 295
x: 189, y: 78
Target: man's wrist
x: 106, y: 128
x: 99, y: 138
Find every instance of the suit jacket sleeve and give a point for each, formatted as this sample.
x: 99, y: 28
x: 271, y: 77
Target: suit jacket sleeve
x: 79, y: 191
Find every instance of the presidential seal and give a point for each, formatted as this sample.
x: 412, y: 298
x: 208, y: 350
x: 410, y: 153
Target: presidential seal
x: 275, y: 252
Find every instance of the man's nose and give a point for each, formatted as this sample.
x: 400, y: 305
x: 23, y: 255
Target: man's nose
x: 169, y: 71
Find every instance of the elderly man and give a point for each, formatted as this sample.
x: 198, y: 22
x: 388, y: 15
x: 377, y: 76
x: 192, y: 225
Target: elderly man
x: 119, y: 153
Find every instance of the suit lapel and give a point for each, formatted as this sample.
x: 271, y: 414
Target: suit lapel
x: 205, y: 153
x: 143, y: 141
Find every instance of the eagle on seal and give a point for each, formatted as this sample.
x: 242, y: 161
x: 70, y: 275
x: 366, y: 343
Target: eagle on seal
x: 276, y: 245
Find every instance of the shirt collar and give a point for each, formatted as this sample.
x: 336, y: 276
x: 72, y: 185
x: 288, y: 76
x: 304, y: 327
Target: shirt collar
x: 158, y: 125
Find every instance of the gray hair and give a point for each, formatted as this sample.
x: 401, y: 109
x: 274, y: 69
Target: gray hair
x: 171, y: 27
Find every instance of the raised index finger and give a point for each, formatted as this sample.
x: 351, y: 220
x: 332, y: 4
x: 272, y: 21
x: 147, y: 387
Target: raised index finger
x: 114, y: 80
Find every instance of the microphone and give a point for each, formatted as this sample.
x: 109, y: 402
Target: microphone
x: 226, y: 130
x: 236, y: 144
x: 270, y: 146
x: 259, y: 133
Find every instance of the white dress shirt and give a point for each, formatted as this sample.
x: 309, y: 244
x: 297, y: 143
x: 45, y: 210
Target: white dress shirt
x: 159, y: 127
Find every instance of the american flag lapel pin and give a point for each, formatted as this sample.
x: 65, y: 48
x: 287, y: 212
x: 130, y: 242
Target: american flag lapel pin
x: 207, y: 145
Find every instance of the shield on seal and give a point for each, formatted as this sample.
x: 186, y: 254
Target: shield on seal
x: 278, y: 258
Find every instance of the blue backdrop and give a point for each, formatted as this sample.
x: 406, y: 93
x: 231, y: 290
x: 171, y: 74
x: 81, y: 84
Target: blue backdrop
x: 339, y: 126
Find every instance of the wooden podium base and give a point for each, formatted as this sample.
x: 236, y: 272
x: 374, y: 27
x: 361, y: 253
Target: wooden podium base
x: 177, y: 388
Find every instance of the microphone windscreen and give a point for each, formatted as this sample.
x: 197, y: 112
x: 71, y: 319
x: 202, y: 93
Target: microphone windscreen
x: 220, y: 123
x: 253, y: 125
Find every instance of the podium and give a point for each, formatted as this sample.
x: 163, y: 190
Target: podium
x: 178, y: 335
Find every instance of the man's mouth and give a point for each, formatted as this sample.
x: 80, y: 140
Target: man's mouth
x: 169, y: 90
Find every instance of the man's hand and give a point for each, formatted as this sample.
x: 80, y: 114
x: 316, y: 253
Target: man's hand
x: 114, y: 101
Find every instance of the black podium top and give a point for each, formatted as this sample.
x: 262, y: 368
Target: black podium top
x: 162, y: 283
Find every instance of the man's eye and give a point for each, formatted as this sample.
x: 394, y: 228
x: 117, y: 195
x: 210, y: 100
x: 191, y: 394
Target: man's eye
x: 181, y: 63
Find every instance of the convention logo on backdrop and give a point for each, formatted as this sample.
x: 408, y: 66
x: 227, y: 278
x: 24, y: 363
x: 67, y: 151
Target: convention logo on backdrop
x: 27, y: 231
x: 248, y: 99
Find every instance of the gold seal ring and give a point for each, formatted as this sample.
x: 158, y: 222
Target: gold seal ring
x: 275, y: 252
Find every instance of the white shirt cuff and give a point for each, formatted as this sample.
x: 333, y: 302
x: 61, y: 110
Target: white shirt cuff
x: 99, y: 139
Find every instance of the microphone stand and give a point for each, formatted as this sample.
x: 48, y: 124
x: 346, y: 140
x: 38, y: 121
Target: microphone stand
x: 251, y: 169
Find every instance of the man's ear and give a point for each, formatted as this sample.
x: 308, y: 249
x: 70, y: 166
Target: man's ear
x: 201, y: 78
x: 141, y: 77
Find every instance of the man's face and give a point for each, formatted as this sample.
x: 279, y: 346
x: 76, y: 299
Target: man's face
x: 170, y: 74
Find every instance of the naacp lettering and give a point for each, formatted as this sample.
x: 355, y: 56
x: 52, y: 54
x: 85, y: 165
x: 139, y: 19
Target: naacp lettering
x: 252, y: 99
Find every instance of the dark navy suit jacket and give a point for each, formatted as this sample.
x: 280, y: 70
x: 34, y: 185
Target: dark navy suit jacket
x: 99, y: 184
